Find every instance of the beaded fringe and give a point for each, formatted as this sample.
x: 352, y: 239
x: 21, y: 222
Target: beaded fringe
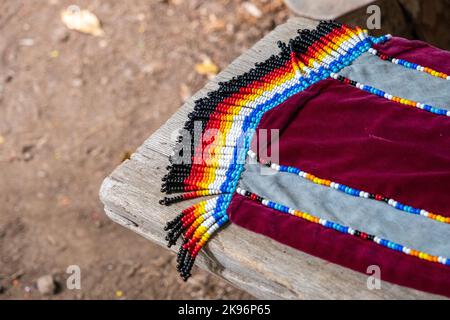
x: 235, y: 108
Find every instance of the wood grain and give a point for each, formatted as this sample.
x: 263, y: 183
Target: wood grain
x: 252, y: 262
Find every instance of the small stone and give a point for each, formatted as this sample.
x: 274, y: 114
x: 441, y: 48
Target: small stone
x: 77, y: 82
x: 104, y: 80
x: 252, y: 9
x: 46, y: 285
x: 27, y: 42
x: 103, y: 43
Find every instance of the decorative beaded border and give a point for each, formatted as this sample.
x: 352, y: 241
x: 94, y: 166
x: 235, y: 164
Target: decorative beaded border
x: 344, y: 229
x: 352, y: 191
x: 235, y: 109
x: 407, y: 64
x: 391, y: 97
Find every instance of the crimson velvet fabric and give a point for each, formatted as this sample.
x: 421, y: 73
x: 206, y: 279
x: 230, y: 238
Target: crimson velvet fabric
x: 346, y: 250
x: 343, y: 134
x: 349, y: 136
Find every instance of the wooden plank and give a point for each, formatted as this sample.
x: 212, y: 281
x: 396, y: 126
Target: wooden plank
x: 252, y: 262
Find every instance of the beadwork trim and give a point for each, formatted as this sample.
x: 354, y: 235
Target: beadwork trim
x: 407, y: 64
x: 351, y: 191
x: 235, y: 109
x: 343, y: 229
x: 381, y: 93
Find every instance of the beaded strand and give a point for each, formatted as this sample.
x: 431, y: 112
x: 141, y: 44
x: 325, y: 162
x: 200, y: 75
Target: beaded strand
x: 408, y: 64
x: 381, y: 93
x: 353, y: 191
x: 234, y: 110
x: 344, y: 229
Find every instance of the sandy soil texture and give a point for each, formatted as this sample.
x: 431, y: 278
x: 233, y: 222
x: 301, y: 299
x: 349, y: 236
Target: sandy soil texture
x: 72, y: 107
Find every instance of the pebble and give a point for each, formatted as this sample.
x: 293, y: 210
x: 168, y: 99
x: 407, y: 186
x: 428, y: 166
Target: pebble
x: 27, y: 42
x: 46, y: 285
x: 77, y: 82
x: 252, y: 9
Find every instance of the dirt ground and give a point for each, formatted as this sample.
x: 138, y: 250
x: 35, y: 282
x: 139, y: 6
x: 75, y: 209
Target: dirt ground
x: 72, y: 106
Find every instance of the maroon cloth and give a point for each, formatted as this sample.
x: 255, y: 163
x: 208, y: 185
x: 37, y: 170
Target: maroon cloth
x: 341, y: 133
x: 346, y: 250
x: 338, y: 132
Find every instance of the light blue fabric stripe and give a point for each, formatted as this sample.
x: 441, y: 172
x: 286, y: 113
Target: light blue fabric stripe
x: 399, y: 81
x: 367, y: 215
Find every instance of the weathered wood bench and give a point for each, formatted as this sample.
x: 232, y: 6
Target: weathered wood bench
x: 254, y: 263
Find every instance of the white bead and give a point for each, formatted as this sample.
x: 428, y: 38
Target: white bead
x: 448, y: 113
x: 448, y: 77
x: 277, y: 167
x: 264, y: 202
x: 336, y: 185
x: 273, y: 166
x: 332, y: 185
x: 351, y: 231
x: 361, y: 194
x: 238, y: 190
x: 291, y: 211
x: 390, y: 201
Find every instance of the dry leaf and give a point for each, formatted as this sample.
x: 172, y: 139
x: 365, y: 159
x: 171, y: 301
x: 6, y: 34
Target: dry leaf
x: 207, y: 67
x: 81, y: 20
x: 54, y: 54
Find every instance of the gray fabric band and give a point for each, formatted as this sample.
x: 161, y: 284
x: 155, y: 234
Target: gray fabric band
x: 399, y: 81
x: 366, y: 215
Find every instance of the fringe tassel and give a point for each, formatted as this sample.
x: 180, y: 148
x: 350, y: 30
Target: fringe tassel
x: 236, y: 106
